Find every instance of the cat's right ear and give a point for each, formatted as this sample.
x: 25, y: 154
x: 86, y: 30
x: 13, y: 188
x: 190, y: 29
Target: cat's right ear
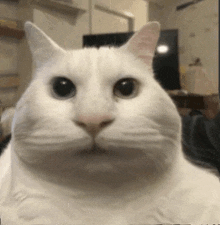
x: 42, y: 47
x: 143, y: 43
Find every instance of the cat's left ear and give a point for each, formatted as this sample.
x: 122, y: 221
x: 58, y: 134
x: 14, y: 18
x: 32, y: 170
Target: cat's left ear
x: 143, y: 43
x: 42, y: 46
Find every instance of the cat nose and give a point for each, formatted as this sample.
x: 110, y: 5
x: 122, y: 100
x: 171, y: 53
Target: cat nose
x: 94, y: 124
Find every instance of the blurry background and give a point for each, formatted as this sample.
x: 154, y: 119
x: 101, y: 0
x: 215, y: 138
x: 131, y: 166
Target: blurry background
x: 67, y: 21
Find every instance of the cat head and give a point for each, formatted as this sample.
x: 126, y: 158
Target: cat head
x: 96, y: 110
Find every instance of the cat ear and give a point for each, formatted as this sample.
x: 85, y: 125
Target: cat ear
x: 143, y: 43
x: 42, y: 47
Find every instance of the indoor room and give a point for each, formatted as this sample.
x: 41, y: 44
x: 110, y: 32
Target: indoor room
x: 107, y: 109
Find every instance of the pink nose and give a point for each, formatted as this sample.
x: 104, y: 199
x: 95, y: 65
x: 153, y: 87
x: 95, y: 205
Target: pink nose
x: 94, y: 124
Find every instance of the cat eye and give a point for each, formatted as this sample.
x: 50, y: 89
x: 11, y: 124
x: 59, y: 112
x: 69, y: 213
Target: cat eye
x: 126, y: 88
x: 63, y: 87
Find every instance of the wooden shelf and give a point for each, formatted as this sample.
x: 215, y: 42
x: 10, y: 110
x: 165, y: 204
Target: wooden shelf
x: 9, y: 81
x: 192, y: 101
x: 11, y: 1
x: 63, y: 6
x: 11, y: 32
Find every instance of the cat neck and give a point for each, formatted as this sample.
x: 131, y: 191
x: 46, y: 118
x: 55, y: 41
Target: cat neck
x: 75, y: 187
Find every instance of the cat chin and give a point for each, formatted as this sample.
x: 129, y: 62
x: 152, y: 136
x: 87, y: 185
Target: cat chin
x: 123, y: 160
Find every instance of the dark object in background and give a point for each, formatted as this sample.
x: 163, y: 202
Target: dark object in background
x: 197, y: 62
x: 190, y: 101
x: 112, y: 39
x: 185, y: 5
x: 195, y: 101
x: 4, y: 142
x: 195, y: 112
x: 165, y: 65
x: 204, y: 158
x: 199, y: 144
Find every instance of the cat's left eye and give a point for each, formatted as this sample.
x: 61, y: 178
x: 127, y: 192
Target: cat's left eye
x: 63, y: 87
x: 126, y: 88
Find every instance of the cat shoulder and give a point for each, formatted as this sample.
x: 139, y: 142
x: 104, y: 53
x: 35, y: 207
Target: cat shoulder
x: 5, y: 162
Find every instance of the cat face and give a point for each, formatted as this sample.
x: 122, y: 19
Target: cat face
x: 96, y: 110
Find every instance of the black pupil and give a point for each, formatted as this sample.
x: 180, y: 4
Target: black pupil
x: 126, y: 87
x: 63, y: 87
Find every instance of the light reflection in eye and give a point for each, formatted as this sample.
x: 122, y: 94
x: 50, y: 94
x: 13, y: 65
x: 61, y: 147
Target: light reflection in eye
x: 162, y: 49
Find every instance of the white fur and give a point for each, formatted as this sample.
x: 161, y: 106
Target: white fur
x: 6, y: 120
x: 141, y: 178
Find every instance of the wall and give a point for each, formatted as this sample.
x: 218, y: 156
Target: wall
x: 139, y: 9
x: 74, y: 26
x: 25, y: 13
x: 198, y: 32
x: 64, y: 28
x: 155, y: 11
x: 8, y: 52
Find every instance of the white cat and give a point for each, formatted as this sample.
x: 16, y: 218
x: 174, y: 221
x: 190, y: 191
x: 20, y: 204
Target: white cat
x: 97, y: 141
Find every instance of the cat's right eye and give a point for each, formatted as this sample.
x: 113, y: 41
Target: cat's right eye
x: 63, y: 87
x: 126, y: 88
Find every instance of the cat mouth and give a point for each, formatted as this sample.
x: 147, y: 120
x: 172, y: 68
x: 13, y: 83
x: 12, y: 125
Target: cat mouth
x: 93, y: 151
